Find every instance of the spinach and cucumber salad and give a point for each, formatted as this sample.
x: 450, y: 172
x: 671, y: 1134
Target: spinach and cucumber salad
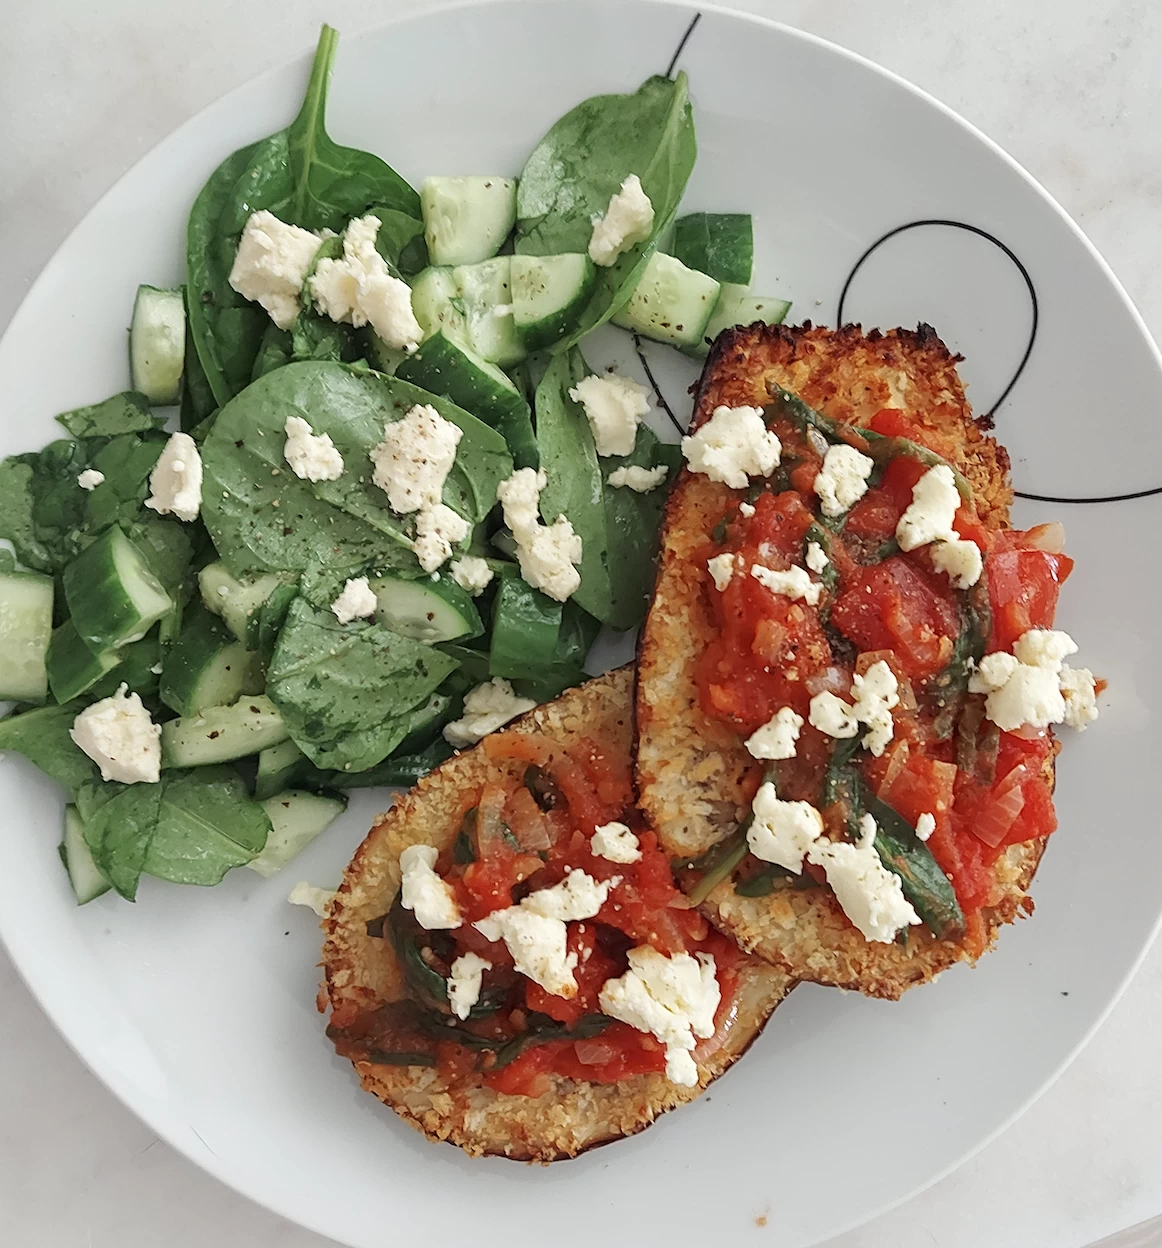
x: 215, y: 622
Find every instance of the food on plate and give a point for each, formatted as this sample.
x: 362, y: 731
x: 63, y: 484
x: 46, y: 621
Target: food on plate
x: 508, y: 962
x: 357, y: 552
x: 850, y: 673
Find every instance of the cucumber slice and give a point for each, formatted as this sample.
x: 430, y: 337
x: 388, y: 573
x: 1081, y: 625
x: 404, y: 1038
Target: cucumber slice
x: 157, y: 343
x: 380, y: 356
x: 737, y: 306
x: 445, y: 367
x: 670, y: 304
x: 73, y: 668
x: 138, y: 667
x: 436, y: 304
x: 719, y: 244
x: 25, y: 630
x: 112, y: 596
x: 222, y: 733
x: 548, y: 295
x: 466, y: 219
x: 426, y: 610
x: 526, y: 628
x: 296, y: 818
x: 85, y: 876
x: 207, y: 666
x: 237, y: 602
x: 482, y: 289
x: 277, y: 767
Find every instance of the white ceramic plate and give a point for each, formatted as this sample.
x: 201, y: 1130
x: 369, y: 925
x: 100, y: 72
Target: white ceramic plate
x: 197, y: 1007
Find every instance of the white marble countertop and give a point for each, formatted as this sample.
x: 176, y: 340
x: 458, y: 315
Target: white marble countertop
x: 1070, y: 88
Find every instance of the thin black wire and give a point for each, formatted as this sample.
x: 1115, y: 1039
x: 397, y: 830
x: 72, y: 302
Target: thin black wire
x: 682, y: 44
x: 641, y: 355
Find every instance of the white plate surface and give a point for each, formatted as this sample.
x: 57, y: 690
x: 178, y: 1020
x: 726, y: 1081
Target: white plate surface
x: 197, y: 1007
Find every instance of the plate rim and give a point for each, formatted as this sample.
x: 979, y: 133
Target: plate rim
x: 204, y: 1158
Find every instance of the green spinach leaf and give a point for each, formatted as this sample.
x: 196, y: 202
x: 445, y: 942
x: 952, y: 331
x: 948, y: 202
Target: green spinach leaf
x: 265, y: 519
x: 305, y: 178
x: 42, y: 736
x: 128, y: 412
x: 581, y: 163
x: 345, y: 690
x: 190, y: 828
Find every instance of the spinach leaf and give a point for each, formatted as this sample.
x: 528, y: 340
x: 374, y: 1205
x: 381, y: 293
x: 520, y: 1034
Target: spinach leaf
x: 400, y: 240
x: 265, y: 519
x: 197, y: 402
x: 581, y: 163
x: 719, y: 244
x: 190, y: 828
x: 128, y: 412
x: 275, y: 350
x: 574, y: 485
x: 305, y: 178
x: 345, y: 690
x: 42, y: 509
x: 42, y: 736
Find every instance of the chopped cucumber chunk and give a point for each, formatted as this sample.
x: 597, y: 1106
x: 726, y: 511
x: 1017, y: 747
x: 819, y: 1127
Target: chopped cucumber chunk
x: 207, y: 666
x: 437, y: 305
x: 240, y: 603
x: 277, y: 767
x: 426, y: 610
x: 719, y: 244
x: 137, y: 667
x: 670, y: 304
x: 485, y: 294
x: 296, y: 818
x: 737, y: 306
x: 467, y: 219
x: 222, y: 733
x: 73, y: 668
x: 446, y: 367
x: 548, y: 295
x: 85, y: 876
x: 25, y: 630
x: 113, y: 597
x: 157, y: 343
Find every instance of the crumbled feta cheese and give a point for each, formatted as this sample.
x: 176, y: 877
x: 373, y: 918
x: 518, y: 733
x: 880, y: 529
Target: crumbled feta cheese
x: 614, y: 407
x: 627, y: 221
x: 356, y: 602
x: 424, y: 893
x: 578, y: 896
x: 547, y: 553
x: 1077, y: 688
x: 778, y: 736
x: 721, y: 569
x: 359, y: 289
x: 640, y: 480
x: 733, y: 446
x: 486, y: 708
x: 537, y: 945
x: 314, y: 898
x: 832, y: 715
x: 929, y: 516
x: 673, y: 998
x: 1030, y: 685
x: 615, y: 842
x: 465, y: 982
x: 746, y: 509
x: 868, y: 893
x: 842, y: 481
x: 412, y: 462
x: 438, y: 529
x: 472, y: 573
x: 793, y: 583
x: 90, y: 479
x: 960, y: 560
x: 816, y: 559
x: 175, y: 484
x: 925, y: 826
x: 875, y: 694
x: 782, y: 832
x: 271, y: 265
x: 118, y: 734
x: 311, y: 456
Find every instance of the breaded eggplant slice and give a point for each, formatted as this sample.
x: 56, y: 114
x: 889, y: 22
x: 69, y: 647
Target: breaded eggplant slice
x: 690, y: 766
x: 361, y: 971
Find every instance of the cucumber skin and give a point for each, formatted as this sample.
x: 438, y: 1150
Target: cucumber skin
x: 737, y: 306
x: 459, y: 600
x: 87, y: 880
x: 72, y: 667
x: 25, y: 629
x: 206, y: 643
x: 444, y: 367
x: 103, y: 619
x: 547, y: 330
x: 636, y: 315
x: 526, y: 627
x: 222, y: 733
x: 278, y: 765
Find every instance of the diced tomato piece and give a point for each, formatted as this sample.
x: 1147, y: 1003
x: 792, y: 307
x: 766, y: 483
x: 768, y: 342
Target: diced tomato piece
x: 779, y: 523
x: 894, y: 606
x: 593, y: 968
x: 1023, y: 589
